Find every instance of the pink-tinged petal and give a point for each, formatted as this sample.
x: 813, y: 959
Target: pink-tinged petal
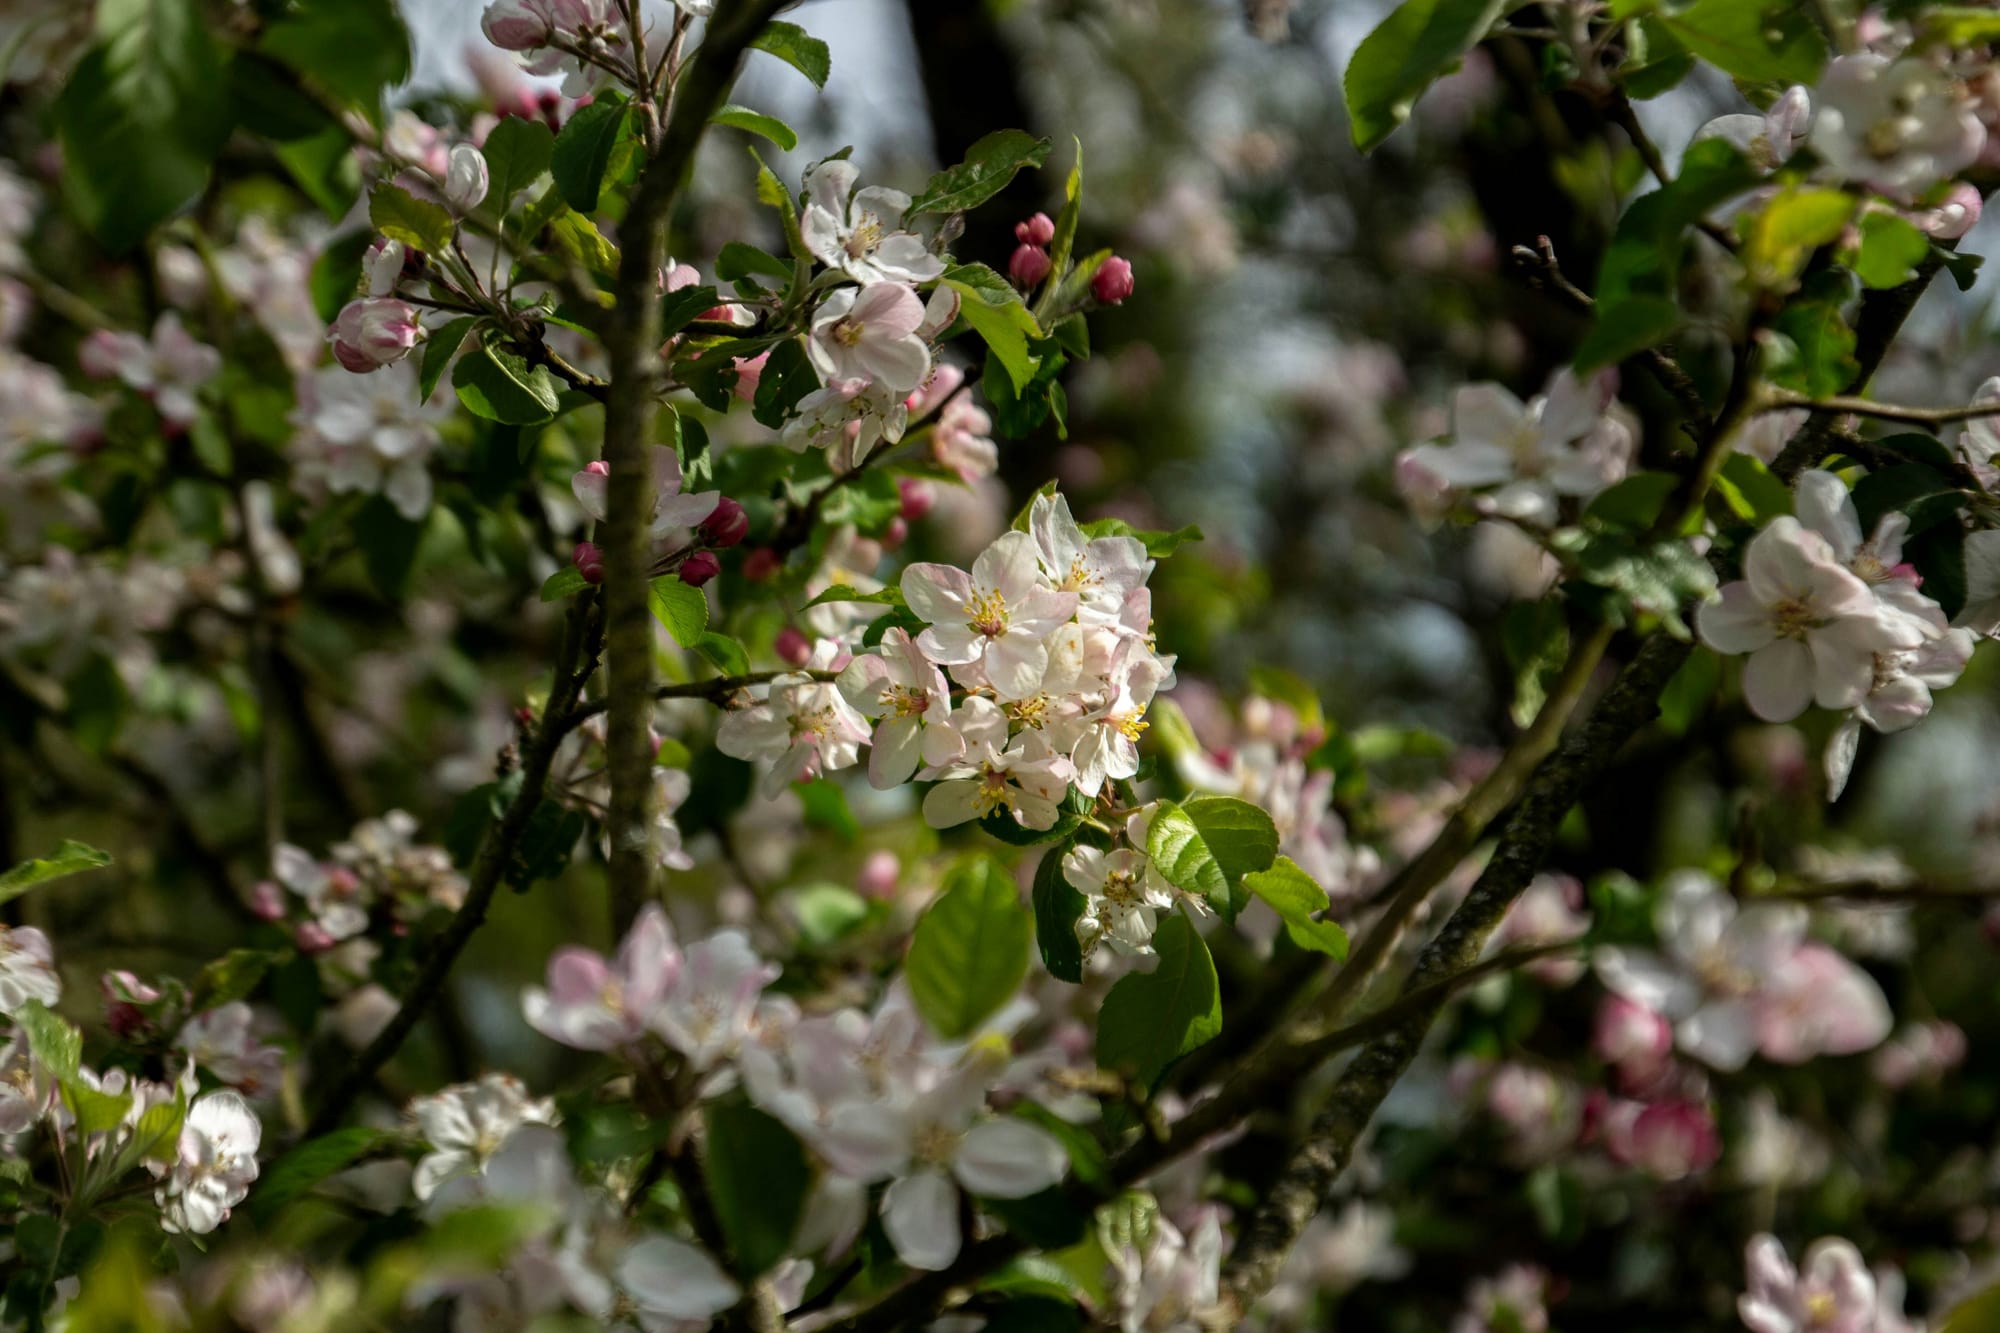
x: 1645, y: 978
x: 1009, y: 1159
x: 589, y: 489
x: 1833, y: 590
x: 577, y: 975
x: 1780, y: 562
x: 892, y: 311
x: 1763, y: 1316
x: 830, y: 183
x: 821, y: 232
x: 1735, y: 622
x: 936, y: 592
x: 1821, y: 500
x: 1485, y: 414
x: 647, y: 959
x: 1009, y: 567
x: 1721, y: 1034
x: 899, y: 364
x: 952, y: 644
x: 1463, y: 465
x: 898, y: 744
x: 1843, y: 656
x: 1778, y: 680
x: 950, y: 804
x: 1573, y: 405
x: 920, y: 1213
x: 1530, y: 502
x: 1896, y: 706
x: 1042, y: 610
x: 1014, y: 664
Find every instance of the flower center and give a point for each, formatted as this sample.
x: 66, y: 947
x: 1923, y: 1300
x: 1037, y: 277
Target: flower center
x: 933, y: 1145
x: 992, y: 794
x: 1121, y: 887
x: 1132, y: 725
x: 1793, y: 617
x: 867, y: 234
x: 987, y: 613
x: 1030, y: 712
x: 848, y: 332
x: 902, y: 701
x: 1079, y: 577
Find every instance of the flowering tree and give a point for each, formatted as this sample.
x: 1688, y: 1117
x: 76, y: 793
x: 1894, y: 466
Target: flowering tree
x: 906, y: 955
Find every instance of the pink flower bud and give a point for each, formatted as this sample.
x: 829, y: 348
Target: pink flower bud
x: 894, y: 535
x: 879, y: 873
x: 267, y: 901
x: 1028, y: 266
x: 383, y: 265
x: 1112, y: 282
x: 374, y: 332
x: 699, y: 568
x: 312, y: 937
x: 944, y: 382
x: 589, y: 561
x: 466, y: 179
x: 1671, y: 1140
x: 517, y: 25
x: 761, y: 564
x: 749, y: 372
x: 1037, y: 230
x: 793, y: 647
x: 342, y: 882
x: 726, y: 525
x: 1629, y: 1034
x: 1955, y: 216
x: 918, y: 497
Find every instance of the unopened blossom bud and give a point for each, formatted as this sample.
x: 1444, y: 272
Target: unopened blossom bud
x: 374, y: 332
x: 589, y: 561
x: 761, y: 564
x: 124, y: 993
x: 1630, y: 1034
x: 1112, y: 282
x: 517, y: 25
x: 931, y: 394
x: 312, y: 937
x: 918, y: 497
x: 1037, y: 230
x: 699, y: 568
x: 895, y: 534
x: 726, y: 525
x: 792, y: 646
x: 383, y: 266
x: 267, y: 901
x: 1670, y: 1140
x: 1028, y: 266
x: 879, y: 873
x: 466, y: 179
x: 749, y: 373
x: 1955, y: 216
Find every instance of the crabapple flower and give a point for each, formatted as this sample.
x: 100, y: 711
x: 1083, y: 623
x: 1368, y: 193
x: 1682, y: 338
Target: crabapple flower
x: 847, y: 418
x: 994, y: 621
x: 1835, y: 1292
x: 466, y: 178
x: 1635, y: 1040
x: 1525, y: 456
x: 801, y: 729
x: 670, y: 509
x: 1767, y: 140
x: 856, y: 232
x: 1123, y: 893
x: 214, y: 1166
x: 710, y: 1004
x: 1101, y: 571
x: 1169, y: 1282
x: 1668, y: 1140
x: 329, y: 891
x: 382, y: 266
x: 373, y: 332
x: 224, y: 1041
x: 1897, y: 126
x: 901, y: 688
x: 598, y: 1005
x: 369, y: 434
x: 1514, y: 1301
x: 1824, y: 505
x: 1959, y: 213
x: 870, y: 333
x: 673, y: 1284
x: 1106, y: 747
x: 465, y: 1125
x: 168, y: 368
x: 1028, y: 780
x: 1811, y: 627
x: 27, y: 969
x: 1899, y: 697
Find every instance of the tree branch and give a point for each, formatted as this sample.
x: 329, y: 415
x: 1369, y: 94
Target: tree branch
x: 1780, y: 399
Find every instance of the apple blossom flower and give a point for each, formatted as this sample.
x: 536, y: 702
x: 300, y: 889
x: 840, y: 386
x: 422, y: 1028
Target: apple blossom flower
x: 1767, y: 140
x: 1168, y: 1281
x: 1919, y: 1053
x: 464, y: 1125
x: 962, y: 439
x: 673, y: 1284
x: 847, y: 418
x: 708, y: 1007
x: 1811, y: 627
x: 1899, y: 697
x: 1101, y: 571
x: 1026, y: 779
x: 1824, y: 505
x: 870, y: 333
x: 373, y: 332
x: 857, y: 232
x: 329, y: 896
x: 801, y: 729
x: 995, y: 620
x: 1632, y: 1038
x: 214, y: 1165
x: 1104, y: 742
x: 168, y: 368
x: 1815, y: 1003
x: 1123, y: 892
x: 27, y: 969
x: 670, y: 509
x: 1669, y: 1140
x: 598, y: 1005
x: 901, y: 688
x: 224, y: 1042
x: 1897, y: 126
x: 1112, y: 282
x: 368, y: 434
x: 382, y: 266
x: 1513, y: 1301
x: 1835, y: 1292
x: 1526, y: 456
x: 466, y: 178
x: 1951, y: 219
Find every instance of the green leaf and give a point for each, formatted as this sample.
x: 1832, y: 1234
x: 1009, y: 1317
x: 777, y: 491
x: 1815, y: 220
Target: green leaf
x: 1067, y: 220
x: 583, y: 150
x: 756, y: 122
x: 1919, y: 491
x: 1645, y: 579
x: 1057, y: 907
x: 141, y: 118
x: 517, y: 152
x: 1404, y: 55
x: 1626, y: 329
x: 736, y: 260
x: 1634, y: 503
x: 440, y: 345
x: 1689, y: 690
x: 69, y: 858
x: 1151, y: 1019
x: 1535, y: 637
x: 798, y: 48
x: 826, y: 913
x: 683, y: 610
x: 565, y: 582
x: 1784, y: 234
x: 389, y: 545
x: 989, y: 164
x: 231, y: 977
x: 417, y: 223
x: 870, y: 502
x: 758, y: 1175
x: 1644, y: 257
x: 325, y: 169
x: 497, y: 383
x: 993, y: 308
x: 970, y: 950
x: 1891, y: 248
x: 1812, y: 349
x: 52, y: 1041
x: 723, y: 653
x: 772, y: 191
x: 680, y: 308
x: 1757, y: 41
x: 95, y: 1111
x: 841, y: 592
x: 1207, y: 845
x: 1979, y: 1314
x: 1159, y: 545
x: 1297, y: 898
x: 1750, y: 491
x: 295, y: 1173
x: 353, y: 48
x: 336, y: 274
x: 787, y: 378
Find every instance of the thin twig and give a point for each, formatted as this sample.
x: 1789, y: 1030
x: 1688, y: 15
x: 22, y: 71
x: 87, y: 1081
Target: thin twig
x: 1777, y: 400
